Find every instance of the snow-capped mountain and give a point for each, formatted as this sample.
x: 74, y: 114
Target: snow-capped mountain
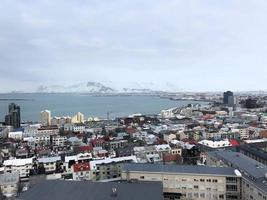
x: 89, y: 87
x: 105, y: 88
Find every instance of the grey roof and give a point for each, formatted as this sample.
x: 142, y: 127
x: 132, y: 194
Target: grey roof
x: 243, y: 163
x: 250, y: 168
x: 49, y: 159
x: 180, y: 169
x: 80, y: 190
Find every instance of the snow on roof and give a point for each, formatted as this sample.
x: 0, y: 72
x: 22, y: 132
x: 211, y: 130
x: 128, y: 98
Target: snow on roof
x: 255, y: 141
x: 110, y: 160
x: 215, y: 144
x: 184, y: 145
x: 162, y: 147
x: 49, y: 159
x: 18, y: 162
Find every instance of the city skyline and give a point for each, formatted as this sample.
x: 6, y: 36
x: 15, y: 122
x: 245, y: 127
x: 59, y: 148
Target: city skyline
x: 183, y: 45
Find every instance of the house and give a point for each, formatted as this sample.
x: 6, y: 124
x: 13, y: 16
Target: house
x: 49, y: 164
x: 81, y: 171
x: 169, y: 137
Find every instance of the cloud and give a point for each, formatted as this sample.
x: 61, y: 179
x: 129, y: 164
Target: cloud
x: 174, y: 42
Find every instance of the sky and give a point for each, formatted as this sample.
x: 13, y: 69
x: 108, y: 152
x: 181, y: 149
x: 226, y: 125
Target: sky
x: 183, y: 45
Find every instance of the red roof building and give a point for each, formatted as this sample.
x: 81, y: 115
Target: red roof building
x: 80, y: 167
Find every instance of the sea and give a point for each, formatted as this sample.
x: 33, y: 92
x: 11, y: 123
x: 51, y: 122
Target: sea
x: 91, y: 106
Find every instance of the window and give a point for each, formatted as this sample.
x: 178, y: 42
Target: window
x: 202, y: 180
x: 214, y: 180
x: 142, y: 177
x: 195, y: 186
x: 231, y: 188
x: 221, y: 196
x: 202, y: 195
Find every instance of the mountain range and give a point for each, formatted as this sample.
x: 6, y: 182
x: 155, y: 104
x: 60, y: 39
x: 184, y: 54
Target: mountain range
x: 92, y: 87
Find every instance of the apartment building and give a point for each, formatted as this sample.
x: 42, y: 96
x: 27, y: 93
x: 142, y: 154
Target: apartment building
x: 23, y: 166
x: 9, y: 184
x: 188, y: 182
x: 109, y: 168
x: 49, y: 164
x: 59, y: 140
x: 254, y: 177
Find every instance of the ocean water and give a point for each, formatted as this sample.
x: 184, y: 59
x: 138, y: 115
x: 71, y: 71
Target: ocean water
x: 91, y: 106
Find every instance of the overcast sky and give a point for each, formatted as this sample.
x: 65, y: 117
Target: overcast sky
x: 183, y: 44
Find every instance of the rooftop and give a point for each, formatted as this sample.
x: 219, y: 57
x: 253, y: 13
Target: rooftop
x: 249, y: 167
x: 80, y: 190
x: 49, y: 159
x: 242, y: 162
x: 180, y: 169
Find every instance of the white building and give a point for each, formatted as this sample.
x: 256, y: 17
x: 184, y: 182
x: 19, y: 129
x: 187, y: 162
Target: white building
x: 17, y: 135
x: 23, y: 166
x: 46, y: 118
x: 78, y: 118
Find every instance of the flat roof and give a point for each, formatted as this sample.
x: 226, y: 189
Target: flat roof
x: 49, y: 159
x: 180, y: 169
x: 80, y: 190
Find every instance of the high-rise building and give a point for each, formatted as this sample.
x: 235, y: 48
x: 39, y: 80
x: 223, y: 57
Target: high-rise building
x: 228, y: 98
x: 46, y: 118
x: 79, y: 118
x: 13, y: 116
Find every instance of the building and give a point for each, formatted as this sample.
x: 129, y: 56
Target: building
x: 80, y: 190
x: 78, y: 118
x: 9, y: 184
x: 76, y: 128
x: 81, y: 171
x: 254, y: 180
x: 13, y: 116
x: 256, y: 151
x: 109, y: 168
x: 49, y: 164
x: 16, y: 135
x: 228, y: 98
x: 188, y: 181
x: 23, y: 166
x: 46, y: 118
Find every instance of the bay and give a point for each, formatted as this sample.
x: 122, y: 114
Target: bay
x: 91, y: 106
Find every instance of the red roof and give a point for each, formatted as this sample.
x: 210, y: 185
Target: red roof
x: 86, y: 148
x: 234, y: 142
x: 171, y: 158
x: 80, y: 167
